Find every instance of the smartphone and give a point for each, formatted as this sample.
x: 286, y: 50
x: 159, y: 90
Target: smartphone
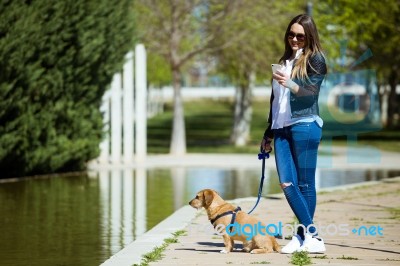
x: 276, y: 67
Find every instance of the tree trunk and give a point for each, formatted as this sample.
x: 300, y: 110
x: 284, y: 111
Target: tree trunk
x: 393, y: 108
x: 242, y: 114
x: 178, y: 138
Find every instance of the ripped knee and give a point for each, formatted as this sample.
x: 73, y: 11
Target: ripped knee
x: 285, y: 185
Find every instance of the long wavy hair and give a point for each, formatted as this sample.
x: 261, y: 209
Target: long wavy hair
x: 312, y: 45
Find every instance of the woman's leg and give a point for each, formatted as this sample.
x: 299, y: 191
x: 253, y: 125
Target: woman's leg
x: 306, y: 138
x: 287, y: 162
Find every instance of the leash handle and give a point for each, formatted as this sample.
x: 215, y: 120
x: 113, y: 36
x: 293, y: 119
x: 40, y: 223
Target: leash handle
x: 262, y: 155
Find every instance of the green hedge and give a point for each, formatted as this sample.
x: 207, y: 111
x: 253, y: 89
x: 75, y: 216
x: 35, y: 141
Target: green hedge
x: 57, y: 58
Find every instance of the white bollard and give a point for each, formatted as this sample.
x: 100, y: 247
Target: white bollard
x: 140, y: 102
x: 128, y: 110
x: 116, y: 117
x: 124, y: 111
x: 105, y: 143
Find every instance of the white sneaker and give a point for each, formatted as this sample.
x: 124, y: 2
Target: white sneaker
x: 313, y: 244
x: 293, y: 245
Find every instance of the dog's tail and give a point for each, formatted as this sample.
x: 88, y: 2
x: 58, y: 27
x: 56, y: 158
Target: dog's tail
x: 275, y: 245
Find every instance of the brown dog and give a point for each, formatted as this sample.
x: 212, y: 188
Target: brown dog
x: 220, y: 214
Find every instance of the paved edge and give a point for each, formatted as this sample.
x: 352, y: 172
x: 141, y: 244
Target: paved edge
x: 339, y: 158
x: 133, y: 253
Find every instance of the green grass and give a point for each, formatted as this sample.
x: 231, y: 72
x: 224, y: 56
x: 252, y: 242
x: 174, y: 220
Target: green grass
x: 179, y: 233
x: 346, y: 258
x: 300, y: 258
x: 154, y: 255
x: 395, y: 212
x: 157, y: 253
x: 208, y: 126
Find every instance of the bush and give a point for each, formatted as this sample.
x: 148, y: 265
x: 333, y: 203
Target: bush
x: 57, y: 58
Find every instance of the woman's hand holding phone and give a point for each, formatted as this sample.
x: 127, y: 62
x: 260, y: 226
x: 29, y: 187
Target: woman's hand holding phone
x: 284, y: 80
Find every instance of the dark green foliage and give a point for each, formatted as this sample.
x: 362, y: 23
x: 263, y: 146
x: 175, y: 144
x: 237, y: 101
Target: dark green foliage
x: 57, y: 58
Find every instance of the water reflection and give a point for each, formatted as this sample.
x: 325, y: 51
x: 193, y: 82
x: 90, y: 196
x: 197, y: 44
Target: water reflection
x: 123, y: 203
x: 84, y: 220
x: 50, y: 222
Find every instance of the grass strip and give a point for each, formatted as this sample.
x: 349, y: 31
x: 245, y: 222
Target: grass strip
x: 157, y: 253
x: 208, y: 125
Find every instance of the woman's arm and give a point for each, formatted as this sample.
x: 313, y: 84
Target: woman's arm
x: 316, y: 70
x: 268, y: 134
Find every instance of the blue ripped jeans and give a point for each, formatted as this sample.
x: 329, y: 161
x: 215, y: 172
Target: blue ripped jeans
x: 296, y: 150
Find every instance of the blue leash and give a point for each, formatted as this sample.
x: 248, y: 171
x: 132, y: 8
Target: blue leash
x: 261, y: 156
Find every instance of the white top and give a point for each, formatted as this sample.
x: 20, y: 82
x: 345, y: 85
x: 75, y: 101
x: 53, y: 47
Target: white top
x: 281, y: 112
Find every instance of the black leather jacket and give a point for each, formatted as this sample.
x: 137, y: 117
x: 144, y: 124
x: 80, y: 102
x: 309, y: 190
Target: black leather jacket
x: 305, y: 102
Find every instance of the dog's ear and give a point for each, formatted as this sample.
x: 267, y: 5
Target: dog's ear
x: 208, y: 197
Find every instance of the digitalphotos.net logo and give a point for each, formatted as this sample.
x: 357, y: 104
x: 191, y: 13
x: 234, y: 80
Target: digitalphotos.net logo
x: 350, y: 105
x: 286, y: 230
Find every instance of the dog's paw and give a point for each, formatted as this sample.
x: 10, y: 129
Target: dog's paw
x: 223, y: 251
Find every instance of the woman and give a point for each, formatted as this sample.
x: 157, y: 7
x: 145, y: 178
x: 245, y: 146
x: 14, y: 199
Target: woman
x: 296, y: 128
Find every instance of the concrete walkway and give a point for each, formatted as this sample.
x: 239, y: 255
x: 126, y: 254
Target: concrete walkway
x: 360, y: 222
x: 371, y: 210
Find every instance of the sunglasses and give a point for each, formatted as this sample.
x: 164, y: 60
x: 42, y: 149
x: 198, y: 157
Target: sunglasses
x: 300, y: 37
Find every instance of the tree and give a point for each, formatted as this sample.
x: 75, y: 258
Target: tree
x: 158, y: 71
x: 175, y: 30
x: 57, y: 59
x: 365, y: 25
x: 249, y: 58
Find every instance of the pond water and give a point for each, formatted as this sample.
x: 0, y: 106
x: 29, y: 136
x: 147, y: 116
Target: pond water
x: 83, y: 220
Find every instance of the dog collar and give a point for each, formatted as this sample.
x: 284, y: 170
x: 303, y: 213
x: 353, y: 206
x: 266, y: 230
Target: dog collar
x: 225, y: 214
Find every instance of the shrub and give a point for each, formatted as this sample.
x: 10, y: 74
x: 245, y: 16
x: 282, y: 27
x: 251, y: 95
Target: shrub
x: 57, y: 58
